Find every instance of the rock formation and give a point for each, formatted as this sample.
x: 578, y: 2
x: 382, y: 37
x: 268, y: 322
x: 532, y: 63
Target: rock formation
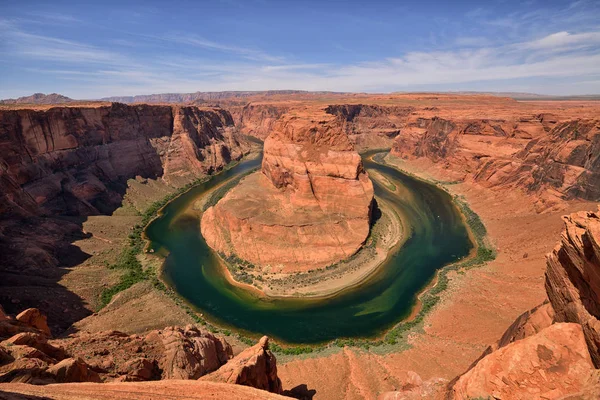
x: 256, y: 366
x: 371, y: 126
x: 536, y: 154
x: 550, y: 364
x: 76, y: 160
x: 552, y: 350
x: 28, y: 355
x: 573, y: 277
x: 308, y: 207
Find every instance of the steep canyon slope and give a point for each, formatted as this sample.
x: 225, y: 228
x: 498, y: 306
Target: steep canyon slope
x: 59, y: 165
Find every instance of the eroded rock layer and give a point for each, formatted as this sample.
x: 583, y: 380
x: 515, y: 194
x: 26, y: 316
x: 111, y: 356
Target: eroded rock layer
x: 76, y: 160
x: 308, y: 207
x: 573, y: 277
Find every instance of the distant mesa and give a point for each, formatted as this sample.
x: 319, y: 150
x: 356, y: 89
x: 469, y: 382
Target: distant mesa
x: 308, y: 207
x: 39, y: 98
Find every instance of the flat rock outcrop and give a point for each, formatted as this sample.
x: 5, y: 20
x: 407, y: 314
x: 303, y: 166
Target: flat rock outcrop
x: 137, y: 390
x: 551, y: 364
x: 255, y: 366
x: 308, y: 207
x: 573, y: 277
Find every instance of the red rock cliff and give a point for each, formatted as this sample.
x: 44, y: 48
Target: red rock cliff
x: 76, y: 160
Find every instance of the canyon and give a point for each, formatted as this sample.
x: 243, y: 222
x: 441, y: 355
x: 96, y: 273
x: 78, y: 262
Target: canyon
x: 76, y: 178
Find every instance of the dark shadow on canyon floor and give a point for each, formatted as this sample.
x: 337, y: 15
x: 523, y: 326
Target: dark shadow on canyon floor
x: 35, y: 253
x: 301, y: 392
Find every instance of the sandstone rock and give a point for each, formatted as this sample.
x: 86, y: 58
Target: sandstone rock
x: 548, y: 365
x: 573, y: 277
x: 34, y: 318
x: 189, y: 353
x: 137, y: 390
x: 310, y: 206
x: 37, y: 341
x: 527, y: 324
x: 73, y: 370
x: 3, y: 316
x: 255, y: 366
x: 140, y: 369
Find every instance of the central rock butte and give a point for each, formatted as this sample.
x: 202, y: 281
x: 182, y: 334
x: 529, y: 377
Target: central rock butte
x: 308, y: 207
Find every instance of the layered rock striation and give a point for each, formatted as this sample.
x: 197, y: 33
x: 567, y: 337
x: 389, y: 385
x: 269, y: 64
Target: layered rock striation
x: 76, y: 160
x: 308, y: 207
x: 538, y: 154
x: 573, y: 277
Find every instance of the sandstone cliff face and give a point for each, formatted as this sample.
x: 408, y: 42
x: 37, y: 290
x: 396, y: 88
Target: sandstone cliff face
x: 309, y: 206
x: 76, y: 161
x: 256, y: 119
x: 573, y: 277
x: 371, y: 126
x: 537, y: 154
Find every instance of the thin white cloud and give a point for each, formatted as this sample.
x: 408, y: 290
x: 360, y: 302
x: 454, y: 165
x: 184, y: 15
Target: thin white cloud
x: 562, y: 39
x: 245, y: 52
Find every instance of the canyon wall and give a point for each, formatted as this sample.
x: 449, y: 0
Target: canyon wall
x: 76, y: 161
x: 308, y: 207
x: 371, y: 126
x: 61, y: 164
x: 555, y: 160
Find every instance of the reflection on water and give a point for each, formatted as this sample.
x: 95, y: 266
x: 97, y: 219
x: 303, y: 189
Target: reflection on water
x: 438, y: 237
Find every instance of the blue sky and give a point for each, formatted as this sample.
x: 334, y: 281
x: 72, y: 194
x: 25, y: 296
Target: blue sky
x: 89, y: 50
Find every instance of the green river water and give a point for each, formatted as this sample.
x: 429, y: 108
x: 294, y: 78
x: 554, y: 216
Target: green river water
x: 438, y: 236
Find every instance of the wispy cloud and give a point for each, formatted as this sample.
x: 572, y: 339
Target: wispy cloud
x: 245, y: 52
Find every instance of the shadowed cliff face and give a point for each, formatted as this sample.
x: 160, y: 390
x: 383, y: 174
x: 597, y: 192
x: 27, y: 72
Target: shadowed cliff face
x: 75, y: 162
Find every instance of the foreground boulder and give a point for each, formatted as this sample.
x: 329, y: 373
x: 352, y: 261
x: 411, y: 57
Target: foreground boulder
x: 548, y: 365
x: 308, y: 207
x: 255, y: 366
x: 73, y: 370
x: 169, y: 353
x: 551, y: 351
x: 34, y: 318
x: 573, y: 277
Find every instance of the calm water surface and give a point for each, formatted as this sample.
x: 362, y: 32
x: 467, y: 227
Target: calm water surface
x: 438, y: 236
